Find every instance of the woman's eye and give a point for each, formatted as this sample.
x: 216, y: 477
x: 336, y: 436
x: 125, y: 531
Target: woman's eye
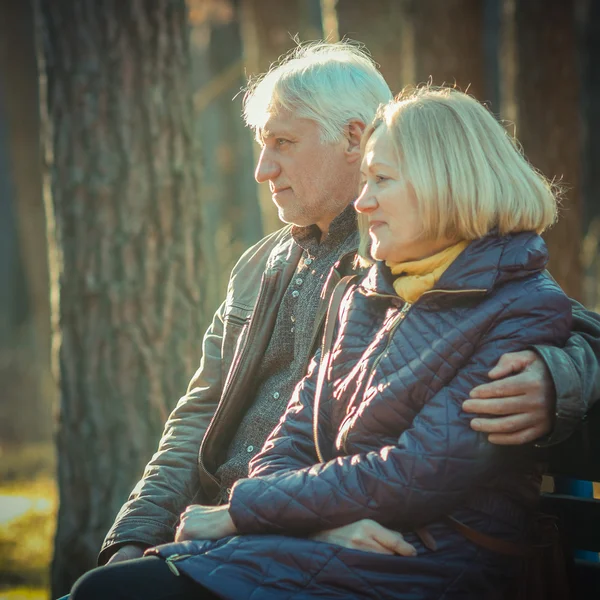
x: 381, y: 178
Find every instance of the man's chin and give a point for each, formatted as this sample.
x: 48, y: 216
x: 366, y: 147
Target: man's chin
x: 293, y: 218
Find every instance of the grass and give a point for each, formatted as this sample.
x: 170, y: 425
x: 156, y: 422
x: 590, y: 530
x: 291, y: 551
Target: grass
x: 24, y: 593
x: 26, y: 540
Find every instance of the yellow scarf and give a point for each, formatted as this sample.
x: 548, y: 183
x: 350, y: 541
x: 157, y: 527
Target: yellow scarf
x: 419, y: 276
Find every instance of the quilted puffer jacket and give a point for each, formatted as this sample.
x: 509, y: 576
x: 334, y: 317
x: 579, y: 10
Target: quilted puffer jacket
x: 398, y: 447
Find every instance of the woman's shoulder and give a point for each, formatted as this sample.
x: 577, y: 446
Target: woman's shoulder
x: 532, y: 306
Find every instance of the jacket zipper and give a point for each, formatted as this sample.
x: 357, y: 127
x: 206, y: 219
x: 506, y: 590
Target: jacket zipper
x: 398, y: 319
x: 232, y: 374
x: 395, y: 323
x: 170, y: 560
x: 318, y: 329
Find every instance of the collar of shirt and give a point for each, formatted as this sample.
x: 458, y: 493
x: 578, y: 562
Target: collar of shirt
x: 308, y: 238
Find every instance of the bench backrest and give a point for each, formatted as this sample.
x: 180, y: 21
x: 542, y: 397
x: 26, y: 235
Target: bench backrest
x: 579, y: 458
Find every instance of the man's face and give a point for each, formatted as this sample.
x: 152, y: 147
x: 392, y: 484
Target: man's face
x: 308, y: 179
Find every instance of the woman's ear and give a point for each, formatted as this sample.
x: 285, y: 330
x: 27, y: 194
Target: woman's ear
x: 353, y: 133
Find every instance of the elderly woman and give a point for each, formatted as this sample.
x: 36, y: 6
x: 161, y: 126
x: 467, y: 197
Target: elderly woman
x: 451, y: 215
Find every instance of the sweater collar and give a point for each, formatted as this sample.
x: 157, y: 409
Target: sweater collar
x: 415, y: 277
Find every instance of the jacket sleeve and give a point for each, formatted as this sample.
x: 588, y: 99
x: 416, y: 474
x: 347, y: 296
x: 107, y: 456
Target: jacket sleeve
x: 428, y: 472
x: 575, y: 372
x: 170, y: 481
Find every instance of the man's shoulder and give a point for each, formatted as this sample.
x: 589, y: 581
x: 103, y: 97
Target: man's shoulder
x: 259, y: 253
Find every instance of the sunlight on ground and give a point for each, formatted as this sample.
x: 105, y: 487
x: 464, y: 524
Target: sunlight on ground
x: 28, y: 505
x: 12, y: 507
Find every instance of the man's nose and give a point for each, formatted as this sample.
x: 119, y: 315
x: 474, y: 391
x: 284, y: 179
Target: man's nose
x: 366, y: 201
x: 267, y: 169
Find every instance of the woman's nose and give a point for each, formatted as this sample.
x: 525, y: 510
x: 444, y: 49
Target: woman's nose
x: 266, y: 169
x: 366, y: 201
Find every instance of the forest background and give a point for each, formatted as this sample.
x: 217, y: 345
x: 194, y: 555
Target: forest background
x: 127, y: 193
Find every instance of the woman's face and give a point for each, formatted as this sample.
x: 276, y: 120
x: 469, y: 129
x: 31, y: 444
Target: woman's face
x: 390, y: 204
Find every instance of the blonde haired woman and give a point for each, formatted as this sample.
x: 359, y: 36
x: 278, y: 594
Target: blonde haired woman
x: 451, y: 215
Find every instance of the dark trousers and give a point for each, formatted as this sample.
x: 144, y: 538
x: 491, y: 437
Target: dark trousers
x: 147, y: 578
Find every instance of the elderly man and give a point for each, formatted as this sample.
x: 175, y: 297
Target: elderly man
x: 309, y: 114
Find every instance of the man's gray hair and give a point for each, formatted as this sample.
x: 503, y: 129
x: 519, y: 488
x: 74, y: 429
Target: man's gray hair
x: 329, y: 83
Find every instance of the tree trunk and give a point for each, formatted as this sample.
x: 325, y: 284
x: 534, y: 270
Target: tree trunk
x: 590, y: 28
x: 128, y: 218
x: 449, y: 44
x: 548, y: 121
x: 382, y: 26
x: 28, y: 391
x: 231, y: 220
x: 268, y: 31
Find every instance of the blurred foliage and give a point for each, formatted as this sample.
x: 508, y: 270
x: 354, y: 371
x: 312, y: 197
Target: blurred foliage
x: 26, y: 464
x: 24, y: 593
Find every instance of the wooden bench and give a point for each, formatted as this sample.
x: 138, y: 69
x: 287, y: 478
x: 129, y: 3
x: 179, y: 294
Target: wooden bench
x: 579, y: 518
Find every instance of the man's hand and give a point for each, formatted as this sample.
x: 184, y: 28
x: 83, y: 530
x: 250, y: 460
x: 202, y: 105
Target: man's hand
x: 128, y: 552
x: 369, y: 536
x: 521, y: 401
x: 205, y: 523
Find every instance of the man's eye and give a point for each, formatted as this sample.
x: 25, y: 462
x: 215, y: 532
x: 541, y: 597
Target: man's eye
x: 281, y: 141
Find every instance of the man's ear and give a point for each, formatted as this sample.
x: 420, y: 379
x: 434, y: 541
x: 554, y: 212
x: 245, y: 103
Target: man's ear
x: 353, y: 133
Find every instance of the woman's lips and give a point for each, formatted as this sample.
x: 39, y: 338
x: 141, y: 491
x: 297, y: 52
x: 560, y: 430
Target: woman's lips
x: 374, y: 225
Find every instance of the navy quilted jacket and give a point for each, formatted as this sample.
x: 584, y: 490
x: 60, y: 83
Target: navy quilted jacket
x: 398, y: 447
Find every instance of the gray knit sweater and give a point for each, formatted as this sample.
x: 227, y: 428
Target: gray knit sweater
x: 289, y: 351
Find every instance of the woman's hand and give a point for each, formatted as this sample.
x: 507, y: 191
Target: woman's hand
x: 369, y: 536
x: 205, y: 523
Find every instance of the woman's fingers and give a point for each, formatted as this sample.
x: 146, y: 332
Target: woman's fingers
x: 393, y: 541
x: 368, y: 536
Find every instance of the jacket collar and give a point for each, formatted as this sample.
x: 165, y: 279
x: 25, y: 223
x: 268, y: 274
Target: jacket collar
x: 342, y: 232
x: 484, y: 264
x: 344, y: 225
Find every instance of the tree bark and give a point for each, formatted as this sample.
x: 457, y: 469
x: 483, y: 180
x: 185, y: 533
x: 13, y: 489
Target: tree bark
x: 382, y: 25
x: 449, y: 44
x: 231, y: 219
x: 589, y: 22
x: 128, y: 217
x: 548, y: 121
x: 269, y: 29
x: 28, y: 391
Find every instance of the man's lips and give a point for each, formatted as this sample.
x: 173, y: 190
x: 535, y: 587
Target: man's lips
x: 279, y: 190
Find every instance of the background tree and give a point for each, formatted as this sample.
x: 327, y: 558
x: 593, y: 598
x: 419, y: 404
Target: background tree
x: 128, y: 221
x: 449, y: 44
x: 548, y: 120
x: 231, y: 215
x: 385, y: 29
x: 589, y: 28
x: 27, y: 389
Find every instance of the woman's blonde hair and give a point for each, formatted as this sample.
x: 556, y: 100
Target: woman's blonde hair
x: 469, y: 176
